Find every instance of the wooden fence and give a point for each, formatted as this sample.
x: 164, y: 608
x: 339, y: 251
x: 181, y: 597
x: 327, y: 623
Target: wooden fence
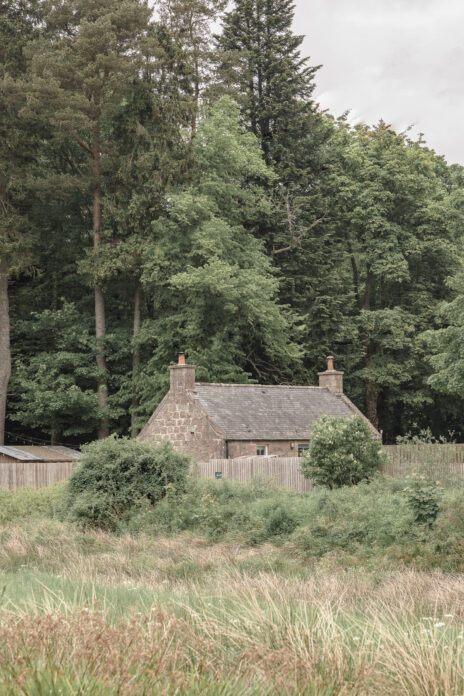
x: 284, y: 472
x: 17, y: 474
x: 444, y: 463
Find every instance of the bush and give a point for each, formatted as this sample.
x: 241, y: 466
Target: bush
x: 423, y: 498
x: 280, y: 523
x: 117, y: 474
x: 342, y: 452
x: 363, y: 518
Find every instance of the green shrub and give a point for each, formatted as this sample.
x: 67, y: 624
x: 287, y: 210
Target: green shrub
x: 280, y: 523
x: 423, y: 498
x: 342, y: 452
x: 31, y: 502
x: 371, y: 515
x: 116, y: 474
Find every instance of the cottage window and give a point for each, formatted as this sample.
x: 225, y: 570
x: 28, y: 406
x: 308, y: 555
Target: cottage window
x: 302, y: 449
x: 261, y: 451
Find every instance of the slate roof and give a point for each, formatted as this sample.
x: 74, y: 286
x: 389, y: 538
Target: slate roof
x: 255, y: 412
x: 34, y: 453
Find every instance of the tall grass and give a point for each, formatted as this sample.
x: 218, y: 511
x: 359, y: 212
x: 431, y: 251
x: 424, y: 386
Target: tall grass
x: 238, y: 591
x: 327, y: 634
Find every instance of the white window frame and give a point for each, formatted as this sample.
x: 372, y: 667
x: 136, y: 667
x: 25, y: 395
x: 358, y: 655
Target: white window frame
x: 262, y: 447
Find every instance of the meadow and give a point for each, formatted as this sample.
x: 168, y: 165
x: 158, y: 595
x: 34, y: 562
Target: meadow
x: 234, y: 590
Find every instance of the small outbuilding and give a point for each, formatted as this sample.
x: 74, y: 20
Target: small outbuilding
x: 225, y: 421
x: 35, y: 466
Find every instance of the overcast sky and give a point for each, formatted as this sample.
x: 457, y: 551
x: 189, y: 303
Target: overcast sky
x: 400, y: 60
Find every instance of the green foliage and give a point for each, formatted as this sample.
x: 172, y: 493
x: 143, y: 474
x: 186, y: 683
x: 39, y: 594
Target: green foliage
x: 219, y: 297
x: 423, y: 498
x: 368, y: 525
x: 392, y: 202
x: 116, y: 473
x: 260, y: 63
x: 280, y: 523
x: 54, y: 389
x: 23, y: 503
x: 248, y: 236
x: 446, y: 343
x: 342, y: 452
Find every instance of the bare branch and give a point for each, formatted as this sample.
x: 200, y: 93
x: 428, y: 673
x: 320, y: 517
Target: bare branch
x: 296, y: 239
x: 81, y: 142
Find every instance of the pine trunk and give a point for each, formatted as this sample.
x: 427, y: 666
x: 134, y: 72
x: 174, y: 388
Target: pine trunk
x: 100, y: 321
x: 371, y: 387
x: 371, y: 403
x: 5, y: 355
x: 135, y: 358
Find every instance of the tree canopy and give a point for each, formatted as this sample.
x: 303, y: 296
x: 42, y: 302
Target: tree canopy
x: 168, y: 182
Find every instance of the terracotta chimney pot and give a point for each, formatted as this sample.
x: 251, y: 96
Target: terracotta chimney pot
x: 331, y: 379
x: 182, y: 375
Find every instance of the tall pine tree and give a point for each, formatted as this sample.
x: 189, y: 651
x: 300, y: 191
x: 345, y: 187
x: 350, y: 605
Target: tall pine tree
x: 83, y: 71
x: 260, y: 62
x: 18, y: 148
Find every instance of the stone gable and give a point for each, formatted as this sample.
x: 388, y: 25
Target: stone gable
x: 181, y: 419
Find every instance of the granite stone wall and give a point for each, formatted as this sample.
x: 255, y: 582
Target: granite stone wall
x: 182, y: 420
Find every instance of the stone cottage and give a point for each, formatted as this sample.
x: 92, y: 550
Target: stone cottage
x: 224, y: 421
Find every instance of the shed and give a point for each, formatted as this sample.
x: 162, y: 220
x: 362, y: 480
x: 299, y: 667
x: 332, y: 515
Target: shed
x: 35, y: 466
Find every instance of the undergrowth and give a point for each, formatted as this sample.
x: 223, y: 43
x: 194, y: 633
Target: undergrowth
x: 369, y: 524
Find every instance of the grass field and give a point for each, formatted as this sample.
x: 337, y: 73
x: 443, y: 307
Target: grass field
x: 89, y: 612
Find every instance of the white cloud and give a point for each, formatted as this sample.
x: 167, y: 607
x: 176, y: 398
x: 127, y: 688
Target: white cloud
x: 400, y: 60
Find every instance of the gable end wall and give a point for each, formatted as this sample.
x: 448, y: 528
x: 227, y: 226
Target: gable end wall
x: 181, y: 414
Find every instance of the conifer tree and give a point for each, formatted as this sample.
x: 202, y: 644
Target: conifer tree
x: 83, y: 71
x: 260, y: 61
x: 189, y: 23
x: 18, y: 146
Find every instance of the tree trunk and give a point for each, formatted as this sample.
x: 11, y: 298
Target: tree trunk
x: 100, y: 322
x: 135, y: 358
x: 371, y: 403
x: 5, y: 355
x: 371, y: 387
x: 100, y: 332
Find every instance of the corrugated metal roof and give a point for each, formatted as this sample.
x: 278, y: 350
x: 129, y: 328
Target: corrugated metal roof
x: 20, y: 454
x: 74, y: 454
x: 255, y: 412
x: 48, y: 454
x: 36, y: 453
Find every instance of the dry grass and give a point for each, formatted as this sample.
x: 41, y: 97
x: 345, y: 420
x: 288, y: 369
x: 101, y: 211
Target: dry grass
x: 227, y: 624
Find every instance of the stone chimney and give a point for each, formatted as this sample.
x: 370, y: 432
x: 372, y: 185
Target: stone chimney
x: 182, y: 375
x: 331, y: 379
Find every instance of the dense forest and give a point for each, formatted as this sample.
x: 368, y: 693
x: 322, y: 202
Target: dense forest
x: 168, y: 182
